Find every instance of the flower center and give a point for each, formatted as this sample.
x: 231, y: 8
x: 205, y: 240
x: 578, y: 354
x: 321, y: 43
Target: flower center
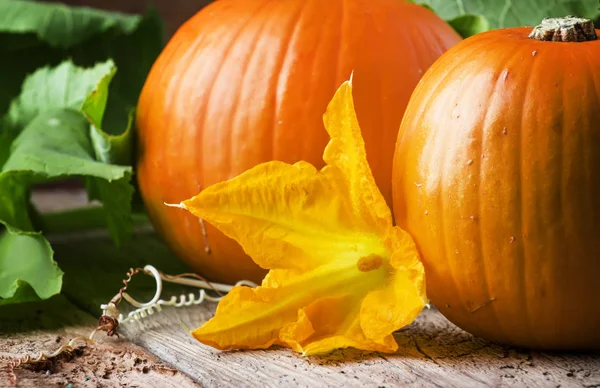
x: 369, y: 263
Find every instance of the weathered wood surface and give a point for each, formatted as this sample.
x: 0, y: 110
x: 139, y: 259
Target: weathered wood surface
x: 32, y: 328
x: 433, y: 352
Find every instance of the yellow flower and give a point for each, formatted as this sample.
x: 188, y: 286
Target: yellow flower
x: 341, y: 275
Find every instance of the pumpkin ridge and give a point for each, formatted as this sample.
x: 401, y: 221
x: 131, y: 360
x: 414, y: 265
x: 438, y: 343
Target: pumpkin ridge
x: 199, y: 118
x: 446, y: 248
x: 442, y: 224
x: 429, y: 37
x: 477, y: 302
x: 286, y: 52
x: 424, y: 94
x: 227, y: 149
x: 502, y: 67
x: 519, y: 234
x: 382, y: 117
x: 307, y: 144
x: 568, y: 265
x: 200, y: 115
x: 343, y: 19
x: 593, y: 71
x: 234, y: 120
x: 563, y: 167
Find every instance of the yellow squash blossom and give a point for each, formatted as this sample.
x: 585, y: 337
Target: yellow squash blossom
x: 341, y: 275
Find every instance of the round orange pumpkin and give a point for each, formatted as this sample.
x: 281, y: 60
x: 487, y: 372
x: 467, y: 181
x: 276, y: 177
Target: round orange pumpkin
x: 248, y: 81
x: 496, y: 175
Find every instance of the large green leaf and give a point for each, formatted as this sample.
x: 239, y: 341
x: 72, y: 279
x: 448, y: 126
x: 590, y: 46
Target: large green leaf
x: 27, y: 269
x: 59, y: 25
x: 511, y: 13
x: 36, y: 34
x: 57, y: 144
x: 64, y: 86
x: 108, y: 146
x: 71, y: 118
x: 70, y: 87
x: 56, y: 120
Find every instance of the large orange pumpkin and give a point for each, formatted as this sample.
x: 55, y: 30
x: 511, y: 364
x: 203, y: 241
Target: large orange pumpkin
x: 248, y: 81
x: 497, y: 177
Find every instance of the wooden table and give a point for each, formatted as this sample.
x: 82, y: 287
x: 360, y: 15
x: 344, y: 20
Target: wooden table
x: 159, y: 352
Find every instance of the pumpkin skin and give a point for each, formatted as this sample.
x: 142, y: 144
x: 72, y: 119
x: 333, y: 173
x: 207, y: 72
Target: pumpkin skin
x: 496, y: 175
x: 248, y: 81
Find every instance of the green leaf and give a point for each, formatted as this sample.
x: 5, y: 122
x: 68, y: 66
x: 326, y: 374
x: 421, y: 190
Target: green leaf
x: 70, y: 87
x: 27, y: 268
x: 6, y: 139
x: 467, y: 25
x: 57, y: 144
x: 67, y: 122
x: 113, y: 149
x: 510, y: 13
x: 64, y: 86
x: 59, y: 25
x: 54, y: 140
x: 36, y: 34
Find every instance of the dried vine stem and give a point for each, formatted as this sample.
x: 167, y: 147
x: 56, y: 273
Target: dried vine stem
x: 565, y: 29
x: 111, y: 317
x: 188, y: 279
x: 106, y: 322
x: 45, y: 357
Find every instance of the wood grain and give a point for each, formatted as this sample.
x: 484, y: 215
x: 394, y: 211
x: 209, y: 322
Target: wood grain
x: 433, y: 353
x: 35, y: 327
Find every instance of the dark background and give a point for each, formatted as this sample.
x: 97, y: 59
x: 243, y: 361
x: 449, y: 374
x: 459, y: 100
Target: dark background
x: 174, y: 12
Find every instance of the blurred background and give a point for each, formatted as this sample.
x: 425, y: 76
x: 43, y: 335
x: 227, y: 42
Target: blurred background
x: 174, y: 12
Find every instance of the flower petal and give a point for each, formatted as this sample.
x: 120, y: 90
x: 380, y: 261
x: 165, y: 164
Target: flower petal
x: 286, y: 216
x: 341, y: 274
x: 293, y: 216
x: 229, y: 328
x: 346, y: 152
x: 397, y: 304
x: 329, y: 324
x: 253, y: 318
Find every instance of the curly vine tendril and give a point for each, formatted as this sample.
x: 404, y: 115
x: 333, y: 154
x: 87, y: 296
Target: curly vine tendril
x: 111, y: 316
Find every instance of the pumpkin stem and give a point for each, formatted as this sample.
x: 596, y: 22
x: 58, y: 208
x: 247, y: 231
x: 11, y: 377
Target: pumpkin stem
x: 567, y: 29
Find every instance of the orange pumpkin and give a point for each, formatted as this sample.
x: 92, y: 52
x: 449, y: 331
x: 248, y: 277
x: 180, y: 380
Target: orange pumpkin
x: 248, y: 81
x: 496, y: 175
